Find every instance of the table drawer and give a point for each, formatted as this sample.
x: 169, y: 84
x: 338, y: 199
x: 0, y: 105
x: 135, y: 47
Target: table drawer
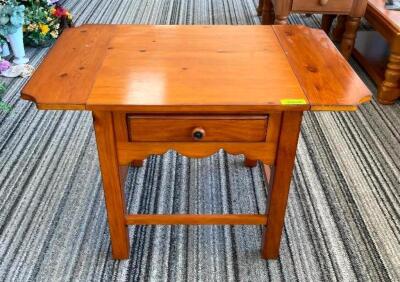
x: 197, y: 128
x: 335, y: 6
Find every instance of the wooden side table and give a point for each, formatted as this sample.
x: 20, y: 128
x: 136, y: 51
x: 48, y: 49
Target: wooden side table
x: 195, y: 89
x: 277, y: 11
x: 387, y: 24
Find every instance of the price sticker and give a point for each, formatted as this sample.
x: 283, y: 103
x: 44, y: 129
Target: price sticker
x: 293, y: 102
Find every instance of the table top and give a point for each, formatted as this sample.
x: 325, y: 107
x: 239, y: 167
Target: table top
x: 195, y: 68
x: 390, y: 17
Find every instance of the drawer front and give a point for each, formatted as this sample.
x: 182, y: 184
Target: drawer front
x: 197, y: 128
x: 335, y: 6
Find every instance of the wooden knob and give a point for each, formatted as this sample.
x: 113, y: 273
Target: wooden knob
x: 323, y: 2
x: 198, y: 133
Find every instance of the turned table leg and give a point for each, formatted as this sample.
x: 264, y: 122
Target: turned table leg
x: 337, y: 32
x: 326, y: 23
x: 267, y: 12
x: 389, y: 90
x: 113, y: 188
x: 281, y: 19
x: 349, y: 36
x: 281, y: 178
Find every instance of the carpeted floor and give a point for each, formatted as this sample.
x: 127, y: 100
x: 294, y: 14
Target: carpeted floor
x: 342, y: 223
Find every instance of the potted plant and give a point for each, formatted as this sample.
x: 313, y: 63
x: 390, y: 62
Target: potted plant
x: 11, y: 21
x: 4, y: 50
x: 44, y: 22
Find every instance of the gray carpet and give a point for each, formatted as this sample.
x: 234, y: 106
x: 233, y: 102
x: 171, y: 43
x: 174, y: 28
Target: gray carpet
x: 342, y: 222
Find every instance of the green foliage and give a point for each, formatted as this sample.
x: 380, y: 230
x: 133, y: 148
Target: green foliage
x: 2, y: 88
x: 28, y: 3
x: 11, y: 17
x: 3, y: 106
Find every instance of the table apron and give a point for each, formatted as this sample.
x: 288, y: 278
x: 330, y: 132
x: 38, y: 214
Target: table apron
x: 130, y: 151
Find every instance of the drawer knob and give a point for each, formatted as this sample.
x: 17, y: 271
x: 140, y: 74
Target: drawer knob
x: 198, y: 133
x: 323, y: 2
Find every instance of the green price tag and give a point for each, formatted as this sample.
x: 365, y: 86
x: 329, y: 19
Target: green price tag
x: 293, y: 102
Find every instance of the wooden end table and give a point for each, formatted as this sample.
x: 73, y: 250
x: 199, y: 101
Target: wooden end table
x: 195, y: 89
x: 384, y: 70
x: 277, y: 11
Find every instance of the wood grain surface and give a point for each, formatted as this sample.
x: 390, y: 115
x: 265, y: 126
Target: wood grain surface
x: 332, y: 6
x: 195, y: 219
x: 113, y: 187
x: 204, y: 66
x: 327, y: 79
x: 65, y: 78
x: 130, y: 151
x: 180, y: 128
x: 194, y: 69
x: 280, y: 184
x: 380, y: 16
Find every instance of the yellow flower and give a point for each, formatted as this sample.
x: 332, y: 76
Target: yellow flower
x: 69, y: 16
x: 52, y: 10
x: 44, y: 28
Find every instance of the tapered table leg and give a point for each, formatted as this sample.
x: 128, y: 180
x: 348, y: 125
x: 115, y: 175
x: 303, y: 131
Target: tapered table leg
x: 349, y: 36
x: 389, y: 90
x: 326, y: 23
x: 267, y: 12
x: 137, y: 163
x: 281, y: 178
x: 113, y: 189
x: 260, y: 7
x: 250, y: 163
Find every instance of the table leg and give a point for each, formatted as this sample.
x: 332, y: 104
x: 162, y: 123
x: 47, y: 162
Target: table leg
x: 250, y: 163
x: 349, y: 36
x: 137, y: 163
x: 260, y: 7
x: 337, y: 33
x: 326, y: 23
x: 389, y: 90
x: 113, y: 188
x: 281, y: 19
x: 267, y: 13
x: 281, y: 178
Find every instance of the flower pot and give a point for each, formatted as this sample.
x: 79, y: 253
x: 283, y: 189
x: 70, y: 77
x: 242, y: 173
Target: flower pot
x: 5, y: 51
x: 16, y: 40
x: 46, y: 42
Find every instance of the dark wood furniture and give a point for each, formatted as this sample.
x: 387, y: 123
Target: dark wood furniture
x: 241, y: 88
x: 277, y: 11
x: 383, y: 68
